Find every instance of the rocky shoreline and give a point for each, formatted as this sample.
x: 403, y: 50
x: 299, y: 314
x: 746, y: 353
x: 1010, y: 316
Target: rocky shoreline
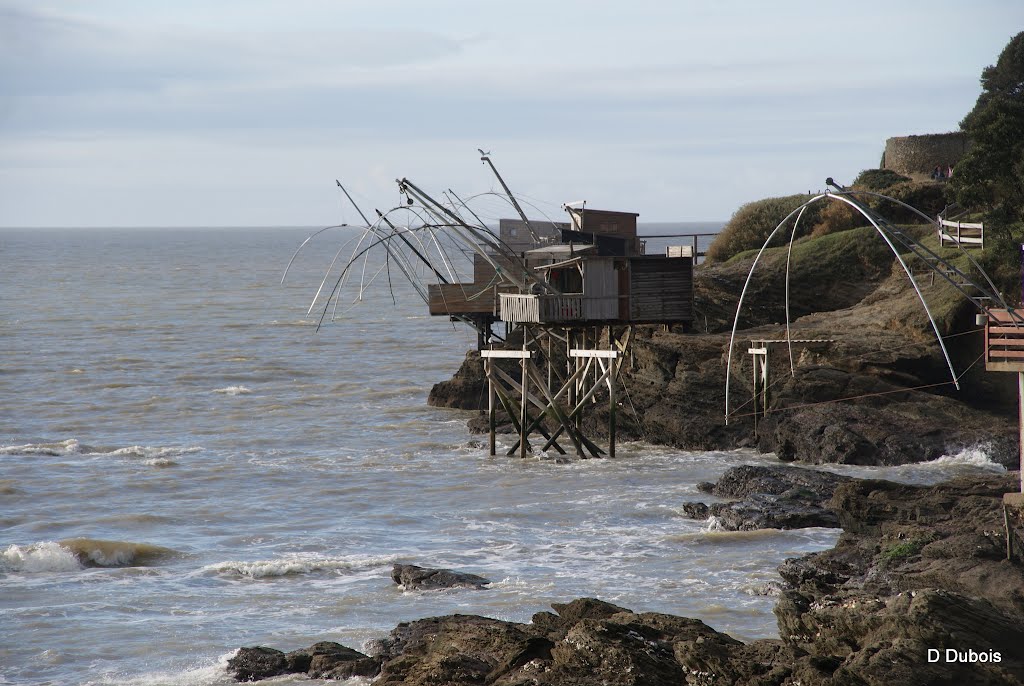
x: 874, y: 391
x: 917, y: 590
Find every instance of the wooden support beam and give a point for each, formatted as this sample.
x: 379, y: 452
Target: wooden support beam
x: 556, y: 410
x: 506, y: 354
x: 491, y: 411
x: 525, y: 417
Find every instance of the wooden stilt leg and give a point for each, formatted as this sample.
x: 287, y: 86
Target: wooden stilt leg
x: 524, y: 418
x: 491, y: 411
x: 612, y: 408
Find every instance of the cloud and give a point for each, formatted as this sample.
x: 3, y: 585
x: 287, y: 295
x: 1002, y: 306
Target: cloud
x: 53, y: 54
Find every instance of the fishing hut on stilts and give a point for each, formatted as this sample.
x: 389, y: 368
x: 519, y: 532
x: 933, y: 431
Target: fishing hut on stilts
x: 553, y: 303
x: 589, y: 285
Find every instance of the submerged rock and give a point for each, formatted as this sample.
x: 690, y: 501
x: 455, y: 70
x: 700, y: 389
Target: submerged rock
x: 423, y: 578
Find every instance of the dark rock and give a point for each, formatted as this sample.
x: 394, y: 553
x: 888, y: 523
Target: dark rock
x: 808, y: 484
x: 761, y: 511
x: 413, y: 577
x: 456, y: 649
x: 773, y: 498
x: 695, y: 510
x: 585, y: 608
x: 329, y: 660
x: 253, y: 664
x: 466, y: 390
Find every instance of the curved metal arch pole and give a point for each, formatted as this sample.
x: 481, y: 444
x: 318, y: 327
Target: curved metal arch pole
x: 920, y: 296
x: 995, y: 291
x: 419, y: 253
x: 330, y: 268
x: 475, y: 235
x: 303, y: 245
x: 429, y: 228
x: 464, y: 232
x: 497, y: 243
x: 789, y: 259
x: 743, y: 293
x: 339, y: 282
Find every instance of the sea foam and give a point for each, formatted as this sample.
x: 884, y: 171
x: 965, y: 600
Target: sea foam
x: 975, y: 456
x: 48, y: 556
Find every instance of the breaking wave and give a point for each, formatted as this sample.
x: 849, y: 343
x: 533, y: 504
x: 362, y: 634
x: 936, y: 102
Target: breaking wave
x: 976, y: 456
x: 154, y: 455
x: 297, y: 564
x: 233, y: 390
x: 75, y: 553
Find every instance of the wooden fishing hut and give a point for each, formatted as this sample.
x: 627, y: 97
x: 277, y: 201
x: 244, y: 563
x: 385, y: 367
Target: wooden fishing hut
x: 600, y: 275
x: 574, y: 293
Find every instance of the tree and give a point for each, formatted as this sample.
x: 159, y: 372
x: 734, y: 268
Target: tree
x: 990, y: 177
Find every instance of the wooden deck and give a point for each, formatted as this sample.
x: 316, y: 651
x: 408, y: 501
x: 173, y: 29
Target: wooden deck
x: 461, y: 298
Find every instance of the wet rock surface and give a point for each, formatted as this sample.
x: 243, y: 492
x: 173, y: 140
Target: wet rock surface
x: 323, y: 660
x: 424, y: 578
x: 770, y: 498
x: 919, y: 572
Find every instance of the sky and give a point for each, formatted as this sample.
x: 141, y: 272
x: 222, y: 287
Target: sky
x: 130, y: 113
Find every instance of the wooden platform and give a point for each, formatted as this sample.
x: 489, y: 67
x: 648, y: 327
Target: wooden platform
x: 462, y: 298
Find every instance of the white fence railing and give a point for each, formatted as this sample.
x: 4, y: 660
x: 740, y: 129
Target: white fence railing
x: 966, y: 234
x: 537, y: 309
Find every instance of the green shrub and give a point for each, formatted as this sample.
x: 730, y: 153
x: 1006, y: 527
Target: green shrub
x: 752, y: 223
x: 878, y: 179
x: 837, y: 216
x: 929, y: 198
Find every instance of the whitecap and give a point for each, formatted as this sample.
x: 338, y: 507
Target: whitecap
x: 976, y: 456
x: 75, y: 553
x: 233, y: 390
x: 153, y: 455
x: 68, y: 447
x: 297, y: 564
x: 48, y: 556
x: 73, y: 447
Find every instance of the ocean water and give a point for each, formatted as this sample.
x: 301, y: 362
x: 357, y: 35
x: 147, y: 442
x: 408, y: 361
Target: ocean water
x: 187, y: 466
